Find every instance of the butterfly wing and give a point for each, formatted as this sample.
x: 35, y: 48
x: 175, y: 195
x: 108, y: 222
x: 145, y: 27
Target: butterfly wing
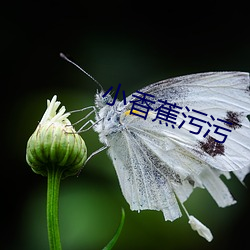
x: 152, y: 169
x: 141, y: 182
x: 222, y: 95
x: 156, y: 163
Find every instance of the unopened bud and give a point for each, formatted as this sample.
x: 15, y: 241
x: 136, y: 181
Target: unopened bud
x: 55, y: 143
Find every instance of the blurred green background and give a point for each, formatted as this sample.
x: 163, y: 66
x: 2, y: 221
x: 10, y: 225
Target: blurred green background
x: 116, y: 42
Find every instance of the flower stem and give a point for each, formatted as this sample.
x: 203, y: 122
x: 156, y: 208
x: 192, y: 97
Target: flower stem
x: 54, y: 177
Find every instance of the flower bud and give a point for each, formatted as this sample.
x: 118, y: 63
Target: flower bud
x: 55, y: 144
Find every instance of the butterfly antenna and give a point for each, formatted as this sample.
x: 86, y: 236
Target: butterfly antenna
x: 68, y: 60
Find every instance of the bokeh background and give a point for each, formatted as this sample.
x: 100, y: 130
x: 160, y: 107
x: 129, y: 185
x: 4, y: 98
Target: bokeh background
x: 127, y: 42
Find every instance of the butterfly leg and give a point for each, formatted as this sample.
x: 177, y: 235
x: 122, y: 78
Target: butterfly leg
x: 80, y: 110
x: 81, y: 129
x: 86, y: 116
x: 94, y: 153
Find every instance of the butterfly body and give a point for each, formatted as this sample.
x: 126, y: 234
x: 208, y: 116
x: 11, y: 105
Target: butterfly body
x: 109, y: 118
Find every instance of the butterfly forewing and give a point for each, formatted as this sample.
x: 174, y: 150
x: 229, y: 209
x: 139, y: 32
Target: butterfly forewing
x: 218, y: 95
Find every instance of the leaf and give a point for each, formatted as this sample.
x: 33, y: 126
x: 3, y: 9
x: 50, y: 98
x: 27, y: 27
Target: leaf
x: 117, y: 234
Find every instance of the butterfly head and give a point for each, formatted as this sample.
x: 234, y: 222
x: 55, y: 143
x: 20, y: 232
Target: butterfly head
x: 101, y: 100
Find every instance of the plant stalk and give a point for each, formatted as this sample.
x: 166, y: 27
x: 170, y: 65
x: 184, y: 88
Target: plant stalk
x: 53, y: 185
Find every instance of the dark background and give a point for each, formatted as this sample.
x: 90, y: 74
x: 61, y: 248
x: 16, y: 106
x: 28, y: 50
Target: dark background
x: 127, y: 42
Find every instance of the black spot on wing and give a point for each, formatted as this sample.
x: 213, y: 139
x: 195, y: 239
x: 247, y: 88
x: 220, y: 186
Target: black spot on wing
x: 234, y: 118
x: 211, y: 147
x: 190, y: 181
x: 248, y: 89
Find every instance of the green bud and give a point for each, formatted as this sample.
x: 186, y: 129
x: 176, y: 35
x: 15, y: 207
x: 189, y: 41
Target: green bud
x: 55, y: 144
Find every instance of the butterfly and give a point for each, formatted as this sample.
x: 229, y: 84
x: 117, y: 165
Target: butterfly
x: 159, y: 166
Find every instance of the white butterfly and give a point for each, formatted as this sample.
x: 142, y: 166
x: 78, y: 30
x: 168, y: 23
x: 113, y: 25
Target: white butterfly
x: 156, y: 164
x: 159, y: 166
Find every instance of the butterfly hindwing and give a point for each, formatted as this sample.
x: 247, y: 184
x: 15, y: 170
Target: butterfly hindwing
x: 142, y: 184
x: 152, y: 168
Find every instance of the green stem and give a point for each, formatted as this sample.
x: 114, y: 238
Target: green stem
x: 54, y: 177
